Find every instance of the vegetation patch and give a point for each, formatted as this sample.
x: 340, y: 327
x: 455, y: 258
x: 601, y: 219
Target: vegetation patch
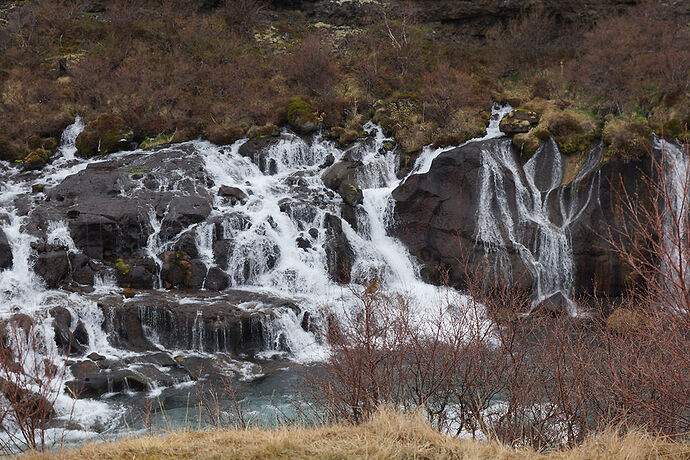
x: 627, y: 139
x: 106, y: 134
x: 301, y: 116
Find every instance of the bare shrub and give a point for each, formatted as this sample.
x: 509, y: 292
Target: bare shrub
x: 311, y: 66
x: 219, y: 405
x: 241, y: 15
x: 29, y: 386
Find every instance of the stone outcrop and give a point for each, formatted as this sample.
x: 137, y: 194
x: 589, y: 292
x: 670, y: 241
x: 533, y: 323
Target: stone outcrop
x: 204, y: 322
x: 437, y: 216
x: 5, y: 251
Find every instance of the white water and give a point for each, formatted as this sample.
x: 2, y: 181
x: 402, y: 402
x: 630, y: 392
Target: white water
x: 676, y: 178
x: 286, y: 202
x: 517, y: 213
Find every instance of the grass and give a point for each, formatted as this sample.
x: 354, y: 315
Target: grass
x: 386, y: 435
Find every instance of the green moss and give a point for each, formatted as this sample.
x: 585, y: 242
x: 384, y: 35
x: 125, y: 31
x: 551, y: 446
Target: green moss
x: 122, y: 267
x: 626, y: 139
x: 527, y: 143
x: 103, y: 135
x: 573, y: 130
x: 36, y: 159
x: 301, y: 115
x: 151, y: 142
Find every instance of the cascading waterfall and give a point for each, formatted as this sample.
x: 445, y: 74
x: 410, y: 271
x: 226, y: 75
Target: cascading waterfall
x: 676, y: 166
x: 521, y: 221
x: 270, y: 239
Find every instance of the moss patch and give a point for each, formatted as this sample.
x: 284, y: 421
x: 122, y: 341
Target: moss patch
x: 122, y: 267
x: 36, y: 159
x: 106, y: 134
x: 626, y: 139
x: 301, y: 116
x: 150, y: 142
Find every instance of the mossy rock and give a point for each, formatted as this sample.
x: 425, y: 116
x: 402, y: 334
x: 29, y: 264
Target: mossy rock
x: 573, y: 131
x: 626, y: 139
x: 158, y: 141
x: 673, y: 122
x: 224, y: 133
x: 261, y: 132
x: 527, y: 143
x: 107, y: 134
x: 36, y: 159
x: 518, y: 121
x: 344, y: 136
x: 301, y: 116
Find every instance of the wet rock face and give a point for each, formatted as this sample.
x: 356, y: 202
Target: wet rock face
x: 205, y: 323
x: 53, y: 266
x: 5, y: 251
x: 437, y: 214
x: 339, y: 253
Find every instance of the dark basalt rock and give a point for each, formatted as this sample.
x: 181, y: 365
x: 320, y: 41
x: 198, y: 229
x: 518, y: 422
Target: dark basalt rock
x: 555, y: 305
x: 216, y: 279
x: 97, y: 384
x: 436, y: 216
x: 68, y: 341
x: 209, y: 323
x: 5, y: 252
x: 52, y: 266
x: 233, y: 194
x: 342, y: 172
x: 184, y: 211
x: 339, y: 253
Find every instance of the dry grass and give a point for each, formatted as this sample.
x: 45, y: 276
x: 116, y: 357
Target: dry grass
x: 387, y: 435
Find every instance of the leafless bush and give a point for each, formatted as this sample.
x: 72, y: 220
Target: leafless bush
x: 30, y: 384
x: 241, y: 15
x: 219, y: 405
x: 311, y: 66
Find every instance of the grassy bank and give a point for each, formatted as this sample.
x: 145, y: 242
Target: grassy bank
x: 387, y: 435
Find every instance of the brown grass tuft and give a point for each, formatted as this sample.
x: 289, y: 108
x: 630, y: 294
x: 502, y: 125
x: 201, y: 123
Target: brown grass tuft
x: 387, y: 435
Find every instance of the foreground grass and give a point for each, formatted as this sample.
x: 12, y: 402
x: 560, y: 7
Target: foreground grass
x: 387, y: 435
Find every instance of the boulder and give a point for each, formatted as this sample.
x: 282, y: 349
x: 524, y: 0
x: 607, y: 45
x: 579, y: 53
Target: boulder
x: 518, y: 121
x: 342, y: 172
x: 232, y: 194
x: 176, y: 270
x: 339, y: 253
x: 5, y: 251
x: 556, y: 304
x: 36, y: 159
x: 107, y: 134
x: 301, y: 116
x: 139, y: 274
x: 351, y: 194
x: 184, y: 211
x: 69, y: 342
x: 216, y: 279
x: 52, y: 266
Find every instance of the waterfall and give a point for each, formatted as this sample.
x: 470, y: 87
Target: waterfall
x: 676, y: 180
x: 517, y: 216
